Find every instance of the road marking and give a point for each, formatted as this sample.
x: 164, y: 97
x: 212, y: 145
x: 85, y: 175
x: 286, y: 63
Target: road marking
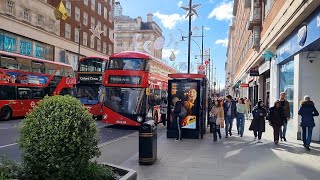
x: 115, y: 140
x: 8, y: 145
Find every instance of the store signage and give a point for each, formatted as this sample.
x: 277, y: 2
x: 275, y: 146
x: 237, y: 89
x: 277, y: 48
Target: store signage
x: 124, y: 80
x: 301, y: 37
x: 90, y: 79
x: 254, y: 72
x: 264, y: 67
x: 244, y: 85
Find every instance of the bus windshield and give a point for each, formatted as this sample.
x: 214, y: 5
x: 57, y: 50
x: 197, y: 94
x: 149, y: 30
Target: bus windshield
x: 92, y: 65
x: 125, y: 100
x: 92, y: 94
x: 126, y: 64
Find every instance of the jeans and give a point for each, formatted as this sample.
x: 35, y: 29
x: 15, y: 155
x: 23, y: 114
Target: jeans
x: 228, y: 121
x: 164, y: 119
x: 240, y: 123
x: 216, y: 131
x: 283, y: 130
x: 257, y: 133
x: 179, y: 129
x: 307, y: 140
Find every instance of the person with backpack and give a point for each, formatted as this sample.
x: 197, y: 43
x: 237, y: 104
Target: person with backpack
x: 180, y: 112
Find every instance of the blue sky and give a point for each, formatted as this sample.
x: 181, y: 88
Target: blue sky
x: 215, y: 15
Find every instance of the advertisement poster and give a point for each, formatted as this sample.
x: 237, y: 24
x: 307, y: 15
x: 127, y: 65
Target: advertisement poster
x: 187, y: 93
x: 21, y: 78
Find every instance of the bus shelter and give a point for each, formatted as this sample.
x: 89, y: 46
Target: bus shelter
x: 191, y: 90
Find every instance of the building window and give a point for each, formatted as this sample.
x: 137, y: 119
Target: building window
x: 267, y: 7
x: 92, y: 42
x: 10, y: 6
x: 105, y: 30
x: 92, y: 22
x: 76, y: 35
x: 85, y: 2
x: 68, y: 7
x: 98, y: 45
x: 67, y: 33
x: 99, y: 25
x: 119, y: 27
x: 26, y: 14
x: 40, y: 19
x: 104, y: 47
x: 110, y: 50
x: 105, y: 13
x: 85, y: 39
x: 93, y: 4
x: 119, y: 45
x: 51, y: 25
x: 85, y: 18
x: 77, y: 13
x: 99, y: 8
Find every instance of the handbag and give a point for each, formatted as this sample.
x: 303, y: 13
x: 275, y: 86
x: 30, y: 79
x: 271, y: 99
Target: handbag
x: 212, y: 119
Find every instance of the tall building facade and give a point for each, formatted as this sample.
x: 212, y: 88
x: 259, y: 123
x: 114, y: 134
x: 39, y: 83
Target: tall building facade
x: 30, y: 28
x: 274, y: 46
x: 135, y: 35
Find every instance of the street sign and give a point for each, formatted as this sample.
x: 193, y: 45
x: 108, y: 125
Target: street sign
x: 206, y: 62
x: 201, y: 68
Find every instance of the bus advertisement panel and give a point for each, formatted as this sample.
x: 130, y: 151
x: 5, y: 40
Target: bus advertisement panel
x: 26, y: 80
x: 90, y: 90
x: 135, y: 84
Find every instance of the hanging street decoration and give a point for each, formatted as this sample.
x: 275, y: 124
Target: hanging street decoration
x: 96, y: 32
x: 193, y: 9
x: 172, y: 56
x: 60, y: 12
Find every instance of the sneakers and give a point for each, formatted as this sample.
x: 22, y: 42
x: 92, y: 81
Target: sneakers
x: 259, y: 141
x: 307, y: 147
x: 255, y: 138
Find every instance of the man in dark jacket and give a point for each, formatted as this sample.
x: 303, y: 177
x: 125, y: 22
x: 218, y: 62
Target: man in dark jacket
x: 286, y: 106
x: 230, y: 111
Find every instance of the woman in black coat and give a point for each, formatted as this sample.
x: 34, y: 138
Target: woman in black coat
x: 258, y: 123
x: 307, y: 111
x: 276, y: 119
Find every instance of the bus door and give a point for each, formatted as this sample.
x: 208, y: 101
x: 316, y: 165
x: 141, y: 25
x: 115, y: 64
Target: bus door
x: 24, y: 96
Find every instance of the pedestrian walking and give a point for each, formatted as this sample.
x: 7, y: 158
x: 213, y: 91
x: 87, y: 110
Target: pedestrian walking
x: 276, y: 119
x: 241, y: 110
x: 216, y: 117
x: 230, y: 111
x: 163, y: 110
x: 258, y: 123
x: 180, y: 112
x: 248, y: 107
x: 286, y: 106
x: 307, y: 111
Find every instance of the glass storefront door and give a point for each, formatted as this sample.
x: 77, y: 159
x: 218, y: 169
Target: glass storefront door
x: 287, y: 82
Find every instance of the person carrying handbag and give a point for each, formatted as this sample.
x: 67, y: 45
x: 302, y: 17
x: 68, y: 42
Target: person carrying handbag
x: 216, y: 117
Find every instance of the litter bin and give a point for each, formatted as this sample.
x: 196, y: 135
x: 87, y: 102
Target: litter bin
x: 147, y: 143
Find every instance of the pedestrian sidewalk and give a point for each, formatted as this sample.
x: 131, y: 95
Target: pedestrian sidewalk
x: 233, y: 158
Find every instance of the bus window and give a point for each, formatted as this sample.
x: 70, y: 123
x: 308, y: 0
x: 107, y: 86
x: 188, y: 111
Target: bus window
x: 50, y: 68
x: 68, y: 91
x: 37, y: 93
x: 60, y: 71
x: 24, y: 64
x: 24, y: 93
x: 8, y: 93
x: 9, y: 63
x: 92, y: 65
x: 69, y: 72
x: 126, y: 64
x: 37, y: 67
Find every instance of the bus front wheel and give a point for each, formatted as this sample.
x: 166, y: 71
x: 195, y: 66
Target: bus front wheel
x: 5, y: 113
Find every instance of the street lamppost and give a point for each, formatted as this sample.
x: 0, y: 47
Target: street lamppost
x: 190, y: 11
x: 79, y: 30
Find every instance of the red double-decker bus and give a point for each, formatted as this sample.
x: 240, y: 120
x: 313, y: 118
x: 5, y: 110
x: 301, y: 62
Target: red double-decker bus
x: 26, y: 80
x: 135, y: 83
x: 90, y: 90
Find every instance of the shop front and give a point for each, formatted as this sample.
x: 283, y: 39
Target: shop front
x: 264, y: 81
x: 297, y: 69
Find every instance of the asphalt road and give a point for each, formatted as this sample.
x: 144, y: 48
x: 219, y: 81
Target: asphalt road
x: 9, y: 133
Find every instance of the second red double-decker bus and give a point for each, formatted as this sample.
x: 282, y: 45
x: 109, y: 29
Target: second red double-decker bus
x: 135, y: 83
x: 26, y: 80
x: 90, y: 90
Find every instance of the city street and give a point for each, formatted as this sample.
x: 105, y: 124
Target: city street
x: 9, y: 133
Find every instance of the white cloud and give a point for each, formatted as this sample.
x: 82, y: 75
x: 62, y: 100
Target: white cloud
x: 206, y: 28
x: 223, y: 11
x: 166, y: 53
x: 169, y: 21
x: 223, y: 42
x: 180, y: 3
